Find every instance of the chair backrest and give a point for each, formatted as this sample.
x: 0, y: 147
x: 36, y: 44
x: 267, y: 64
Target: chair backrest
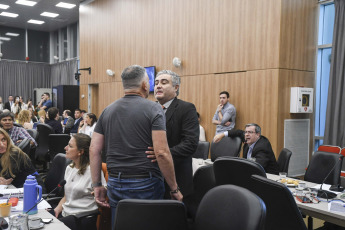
x: 150, y: 214
x: 321, y: 164
x: 229, y: 207
x: 33, y: 133
x: 284, y: 160
x: 281, y: 209
x: 329, y: 148
x: 236, y: 171
x: 41, y: 153
x: 24, y: 145
x: 56, y: 173
x: 203, y: 181
x: 202, y: 150
x: 228, y: 146
x: 57, y: 144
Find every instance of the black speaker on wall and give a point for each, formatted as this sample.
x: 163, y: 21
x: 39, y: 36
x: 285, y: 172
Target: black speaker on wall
x: 66, y: 97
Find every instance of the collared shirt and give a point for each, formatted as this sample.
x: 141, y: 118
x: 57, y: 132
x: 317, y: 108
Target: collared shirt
x: 75, y: 122
x: 250, y: 150
x: 167, y: 104
x: 229, y: 114
x: 18, y: 133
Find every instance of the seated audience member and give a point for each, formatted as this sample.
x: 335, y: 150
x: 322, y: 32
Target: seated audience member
x: 202, y: 136
x: 78, y: 118
x: 28, y: 105
x: 42, y: 115
x: 83, y: 112
x: 256, y: 147
x: 17, y: 134
x: 15, y: 165
x: 2, y: 105
x: 67, y: 122
x: 45, y: 102
x: 17, y: 106
x: 24, y: 119
x: 78, y: 191
x: 52, y: 121
x: 8, y: 105
x: 32, y: 115
x: 88, y: 124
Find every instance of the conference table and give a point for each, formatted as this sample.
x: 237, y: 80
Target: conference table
x: 320, y: 210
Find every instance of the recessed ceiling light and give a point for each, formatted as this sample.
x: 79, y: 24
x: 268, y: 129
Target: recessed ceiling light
x: 35, y: 21
x: 12, y: 34
x: 7, y: 14
x: 47, y: 14
x: 5, y: 38
x: 26, y: 2
x: 65, y: 5
x: 2, y: 6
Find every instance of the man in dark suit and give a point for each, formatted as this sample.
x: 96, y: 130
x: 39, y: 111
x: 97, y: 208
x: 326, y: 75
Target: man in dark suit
x: 182, y: 128
x: 8, y: 104
x: 78, y: 118
x: 256, y: 147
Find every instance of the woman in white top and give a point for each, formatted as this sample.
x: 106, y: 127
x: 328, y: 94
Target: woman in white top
x: 2, y: 105
x: 16, y: 106
x: 28, y: 105
x: 88, y: 124
x: 78, y: 197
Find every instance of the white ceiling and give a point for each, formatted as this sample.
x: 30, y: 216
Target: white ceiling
x: 66, y: 16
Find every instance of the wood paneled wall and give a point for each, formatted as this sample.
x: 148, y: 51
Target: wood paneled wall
x: 256, y: 50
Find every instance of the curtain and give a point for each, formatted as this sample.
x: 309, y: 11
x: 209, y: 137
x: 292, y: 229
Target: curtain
x: 63, y: 73
x: 20, y: 78
x: 335, y: 115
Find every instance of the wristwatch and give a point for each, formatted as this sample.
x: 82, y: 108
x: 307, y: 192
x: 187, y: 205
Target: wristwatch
x: 96, y: 184
x: 175, y: 191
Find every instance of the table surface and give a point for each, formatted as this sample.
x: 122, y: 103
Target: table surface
x: 319, y: 210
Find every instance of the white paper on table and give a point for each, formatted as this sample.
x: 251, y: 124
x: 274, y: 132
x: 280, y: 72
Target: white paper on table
x: 325, y: 187
x: 15, y: 192
x: 19, y: 208
x: 336, y: 206
x: 2, y: 187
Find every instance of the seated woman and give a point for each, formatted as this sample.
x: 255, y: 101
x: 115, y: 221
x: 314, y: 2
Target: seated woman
x: 32, y: 115
x: 88, y: 124
x: 15, y: 165
x: 24, y: 119
x: 78, y: 197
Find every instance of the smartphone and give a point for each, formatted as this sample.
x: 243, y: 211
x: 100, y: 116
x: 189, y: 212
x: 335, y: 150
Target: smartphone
x: 47, y: 220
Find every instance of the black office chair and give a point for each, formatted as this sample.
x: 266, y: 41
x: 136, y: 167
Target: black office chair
x: 41, y: 153
x: 236, y: 171
x: 150, y: 214
x: 24, y: 145
x: 57, y: 144
x: 281, y: 209
x: 228, y: 146
x: 229, y: 207
x: 34, y: 134
x: 202, y: 150
x: 321, y: 164
x: 203, y: 181
x: 284, y: 160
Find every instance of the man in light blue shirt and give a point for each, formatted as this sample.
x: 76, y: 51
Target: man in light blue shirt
x: 225, y: 116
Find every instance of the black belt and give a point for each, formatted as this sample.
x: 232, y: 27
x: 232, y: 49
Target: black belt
x: 130, y: 176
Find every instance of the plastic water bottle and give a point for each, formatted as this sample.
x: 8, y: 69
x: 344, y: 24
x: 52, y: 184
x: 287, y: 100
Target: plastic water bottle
x: 31, y: 191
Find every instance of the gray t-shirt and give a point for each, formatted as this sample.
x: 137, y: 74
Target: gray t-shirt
x: 229, y: 114
x: 127, y: 126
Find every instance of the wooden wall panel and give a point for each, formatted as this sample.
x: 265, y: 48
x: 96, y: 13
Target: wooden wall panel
x: 83, y: 90
x: 298, y: 37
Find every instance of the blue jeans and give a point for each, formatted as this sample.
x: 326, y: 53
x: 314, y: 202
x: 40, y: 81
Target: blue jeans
x: 146, y: 188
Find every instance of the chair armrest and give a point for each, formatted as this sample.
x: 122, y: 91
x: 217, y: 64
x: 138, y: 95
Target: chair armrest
x: 86, y: 214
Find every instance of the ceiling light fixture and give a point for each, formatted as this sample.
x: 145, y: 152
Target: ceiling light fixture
x: 26, y: 2
x: 35, y: 21
x: 5, y: 38
x: 4, y: 7
x: 65, y: 5
x: 7, y: 14
x: 12, y: 34
x: 48, y: 14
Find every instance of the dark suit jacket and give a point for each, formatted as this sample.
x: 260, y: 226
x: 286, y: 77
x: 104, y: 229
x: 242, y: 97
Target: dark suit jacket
x: 183, y: 136
x: 7, y: 106
x: 75, y: 127
x: 263, y: 154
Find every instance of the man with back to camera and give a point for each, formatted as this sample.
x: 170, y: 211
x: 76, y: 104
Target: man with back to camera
x: 256, y: 147
x: 78, y: 118
x: 45, y: 102
x: 131, y: 173
x: 182, y: 128
x: 8, y: 105
x: 52, y: 121
x: 225, y: 115
x: 68, y: 121
x: 17, y: 134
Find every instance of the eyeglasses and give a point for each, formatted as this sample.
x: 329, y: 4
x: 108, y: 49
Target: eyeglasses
x: 249, y: 132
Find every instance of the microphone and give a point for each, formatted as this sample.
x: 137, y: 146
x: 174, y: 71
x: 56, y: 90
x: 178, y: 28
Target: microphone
x: 60, y: 185
x: 327, y: 194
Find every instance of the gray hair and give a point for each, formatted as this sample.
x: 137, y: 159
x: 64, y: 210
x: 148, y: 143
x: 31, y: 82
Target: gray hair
x: 132, y: 76
x: 257, y: 127
x: 6, y: 114
x: 175, y: 79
